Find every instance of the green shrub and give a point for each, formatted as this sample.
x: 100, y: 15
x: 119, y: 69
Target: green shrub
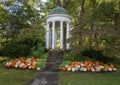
x: 37, y: 50
x: 96, y: 55
x: 68, y: 56
x: 15, y: 49
x: 42, y: 62
x: 65, y: 62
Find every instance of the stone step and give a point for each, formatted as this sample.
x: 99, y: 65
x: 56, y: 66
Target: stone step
x: 53, y: 61
x: 51, y: 69
x: 52, y: 64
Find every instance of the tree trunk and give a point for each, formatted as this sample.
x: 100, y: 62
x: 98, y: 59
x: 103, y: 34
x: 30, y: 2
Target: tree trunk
x: 82, y: 6
x: 58, y: 3
x: 82, y: 12
x: 65, y: 3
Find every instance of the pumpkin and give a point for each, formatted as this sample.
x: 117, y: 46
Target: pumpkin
x: 111, y: 66
x: 86, y: 63
x: 72, y: 66
x: 33, y: 59
x: 13, y: 63
x: 33, y: 67
x: 25, y: 66
x: 63, y: 69
x: 73, y: 69
x: 66, y: 66
x: 69, y: 69
x: 97, y: 63
x: 73, y: 63
x: 88, y: 68
x: 106, y: 68
x: 109, y: 69
x: 84, y: 69
x: 91, y: 63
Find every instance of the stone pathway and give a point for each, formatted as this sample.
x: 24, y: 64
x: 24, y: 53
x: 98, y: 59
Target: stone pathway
x: 45, y: 78
x: 50, y: 75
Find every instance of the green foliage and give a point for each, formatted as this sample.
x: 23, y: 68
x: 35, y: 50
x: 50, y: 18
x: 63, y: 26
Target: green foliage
x: 68, y: 56
x: 3, y: 59
x: 15, y: 49
x: 41, y: 64
x: 42, y: 61
x: 37, y: 50
x: 105, y: 10
x: 65, y: 62
x: 96, y: 55
x: 98, y: 21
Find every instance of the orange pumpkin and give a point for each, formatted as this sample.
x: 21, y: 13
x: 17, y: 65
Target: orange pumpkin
x: 86, y: 63
x: 25, y: 66
x: 112, y: 66
x: 97, y: 63
x: 106, y: 67
x: 63, y: 69
x: 33, y: 59
x: 90, y: 63
x: 72, y: 66
x: 33, y: 67
x: 13, y: 63
x: 88, y: 68
x: 73, y: 63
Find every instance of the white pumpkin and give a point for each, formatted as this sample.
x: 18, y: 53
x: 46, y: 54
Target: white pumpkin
x: 29, y: 67
x: 66, y: 66
x: 84, y: 69
x: 69, y: 69
x: 92, y: 69
x: 73, y: 69
x: 16, y: 66
x: 82, y: 64
x: 109, y: 69
x: 76, y: 68
x: 38, y: 68
x: 21, y: 65
x: 114, y: 69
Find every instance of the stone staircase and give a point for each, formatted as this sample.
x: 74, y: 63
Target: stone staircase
x: 53, y: 61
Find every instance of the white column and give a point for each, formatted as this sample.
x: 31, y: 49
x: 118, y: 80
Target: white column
x: 68, y: 35
x: 55, y: 38
x: 61, y: 35
x: 47, y: 36
x: 50, y: 38
x: 53, y: 35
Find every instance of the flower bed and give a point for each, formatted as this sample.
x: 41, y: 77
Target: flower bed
x: 88, y: 66
x: 29, y: 63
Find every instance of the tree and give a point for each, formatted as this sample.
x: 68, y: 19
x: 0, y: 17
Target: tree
x: 92, y: 23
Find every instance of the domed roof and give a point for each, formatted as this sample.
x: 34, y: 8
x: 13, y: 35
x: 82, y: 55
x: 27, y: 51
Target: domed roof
x: 58, y: 10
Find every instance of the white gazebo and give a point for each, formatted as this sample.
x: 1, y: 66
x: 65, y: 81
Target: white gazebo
x: 58, y: 29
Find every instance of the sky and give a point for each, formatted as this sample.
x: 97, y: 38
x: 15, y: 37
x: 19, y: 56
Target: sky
x: 44, y: 0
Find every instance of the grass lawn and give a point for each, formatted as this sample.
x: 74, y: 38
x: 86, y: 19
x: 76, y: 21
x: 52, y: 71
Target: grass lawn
x: 16, y: 76
x: 69, y: 78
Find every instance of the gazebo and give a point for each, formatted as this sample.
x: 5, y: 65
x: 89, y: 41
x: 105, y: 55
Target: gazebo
x: 58, y: 29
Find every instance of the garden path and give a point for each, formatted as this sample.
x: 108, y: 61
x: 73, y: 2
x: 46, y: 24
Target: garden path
x: 50, y: 75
